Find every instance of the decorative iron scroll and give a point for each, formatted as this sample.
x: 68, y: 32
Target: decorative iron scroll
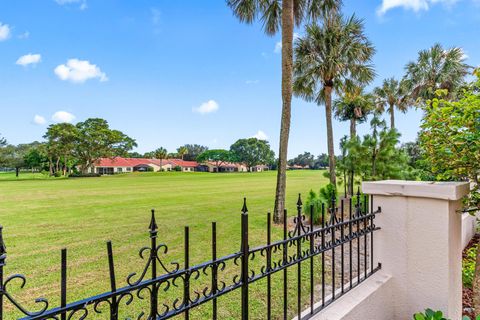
x: 339, y: 229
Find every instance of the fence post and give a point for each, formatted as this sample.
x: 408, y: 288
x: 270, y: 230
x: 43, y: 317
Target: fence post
x: 419, y: 244
x: 153, y: 260
x: 245, y: 250
x: 3, y: 258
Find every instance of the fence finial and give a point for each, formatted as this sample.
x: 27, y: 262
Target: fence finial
x: 3, y: 249
x: 244, y: 208
x: 153, y: 224
x: 358, y: 191
x: 299, y: 201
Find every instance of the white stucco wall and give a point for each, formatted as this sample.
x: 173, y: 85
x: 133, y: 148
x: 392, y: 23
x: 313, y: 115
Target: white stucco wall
x: 420, y: 247
x: 469, y: 224
x: 371, y: 300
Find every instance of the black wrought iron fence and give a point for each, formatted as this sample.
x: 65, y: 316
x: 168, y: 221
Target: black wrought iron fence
x: 340, y: 230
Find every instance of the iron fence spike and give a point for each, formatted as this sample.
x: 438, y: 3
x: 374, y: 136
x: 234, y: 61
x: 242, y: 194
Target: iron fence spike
x: 153, y: 224
x: 244, y: 208
x: 299, y: 201
x: 3, y: 248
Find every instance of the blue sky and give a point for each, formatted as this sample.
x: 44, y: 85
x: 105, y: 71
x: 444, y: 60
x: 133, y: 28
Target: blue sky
x: 174, y: 72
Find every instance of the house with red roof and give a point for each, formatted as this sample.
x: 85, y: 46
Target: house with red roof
x: 122, y: 165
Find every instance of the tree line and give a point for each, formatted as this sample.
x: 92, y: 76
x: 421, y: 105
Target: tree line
x: 334, y: 58
x: 68, y: 147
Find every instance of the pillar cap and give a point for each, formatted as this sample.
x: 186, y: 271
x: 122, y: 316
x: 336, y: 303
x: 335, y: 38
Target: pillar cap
x: 418, y: 189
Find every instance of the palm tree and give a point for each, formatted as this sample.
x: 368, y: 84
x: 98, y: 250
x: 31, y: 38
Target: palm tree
x: 161, y: 153
x: 392, y: 93
x: 436, y: 68
x: 354, y: 106
x: 182, y: 151
x: 331, y: 58
x: 284, y: 14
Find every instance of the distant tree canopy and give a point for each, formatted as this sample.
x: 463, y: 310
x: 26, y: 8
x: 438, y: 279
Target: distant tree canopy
x: 96, y: 140
x: 304, y: 159
x: 218, y: 156
x: 135, y: 154
x: 81, y: 145
x: 193, y: 151
x: 252, y: 152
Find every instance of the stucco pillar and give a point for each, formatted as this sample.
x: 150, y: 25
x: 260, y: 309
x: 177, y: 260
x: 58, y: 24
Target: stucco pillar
x: 420, y: 243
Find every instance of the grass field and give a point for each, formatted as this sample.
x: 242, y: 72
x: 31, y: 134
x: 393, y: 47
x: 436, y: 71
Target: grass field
x: 41, y: 217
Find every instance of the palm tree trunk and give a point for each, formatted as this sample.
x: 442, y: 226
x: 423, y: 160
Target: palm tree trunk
x: 160, y: 170
x: 331, y: 150
x: 353, y: 128
x: 392, y: 116
x: 287, y: 74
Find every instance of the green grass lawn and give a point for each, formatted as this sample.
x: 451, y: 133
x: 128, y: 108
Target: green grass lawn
x: 40, y: 217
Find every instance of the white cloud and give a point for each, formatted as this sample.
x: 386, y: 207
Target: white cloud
x: 63, y: 116
x: 207, y: 107
x: 4, y: 31
x: 260, y: 135
x: 29, y: 59
x: 415, y: 5
x: 278, y: 47
x: 39, y: 120
x: 24, y: 35
x: 79, y: 71
x: 83, y: 3
x: 252, y: 82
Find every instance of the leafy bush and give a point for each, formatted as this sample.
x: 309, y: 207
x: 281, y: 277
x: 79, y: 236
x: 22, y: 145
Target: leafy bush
x: 435, y: 315
x: 429, y: 315
x: 177, y: 168
x: 315, y: 200
x: 468, y: 266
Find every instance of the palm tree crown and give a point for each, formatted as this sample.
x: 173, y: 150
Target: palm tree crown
x: 354, y: 106
x: 391, y: 94
x: 332, y: 58
x: 436, y: 68
x: 284, y: 14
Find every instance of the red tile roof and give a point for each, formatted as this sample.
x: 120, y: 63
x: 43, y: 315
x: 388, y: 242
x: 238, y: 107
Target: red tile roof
x: 132, y: 162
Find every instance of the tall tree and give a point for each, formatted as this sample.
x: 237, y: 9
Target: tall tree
x: 62, y: 138
x: 218, y: 156
x: 392, y: 94
x: 354, y: 106
x: 161, y: 154
x: 284, y: 14
x: 252, y: 152
x: 330, y: 58
x: 436, y: 68
x: 182, y: 151
x: 96, y: 140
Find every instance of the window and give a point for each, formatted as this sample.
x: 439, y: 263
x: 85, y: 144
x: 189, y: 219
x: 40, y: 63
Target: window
x: 119, y: 170
x: 129, y: 169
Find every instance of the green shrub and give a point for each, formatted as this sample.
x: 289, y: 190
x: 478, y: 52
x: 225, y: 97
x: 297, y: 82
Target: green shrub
x: 435, y: 315
x: 177, y: 168
x: 429, y: 315
x: 315, y: 200
x: 58, y: 174
x: 468, y: 267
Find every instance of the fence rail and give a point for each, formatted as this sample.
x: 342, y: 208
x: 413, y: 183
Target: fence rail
x: 339, y: 230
